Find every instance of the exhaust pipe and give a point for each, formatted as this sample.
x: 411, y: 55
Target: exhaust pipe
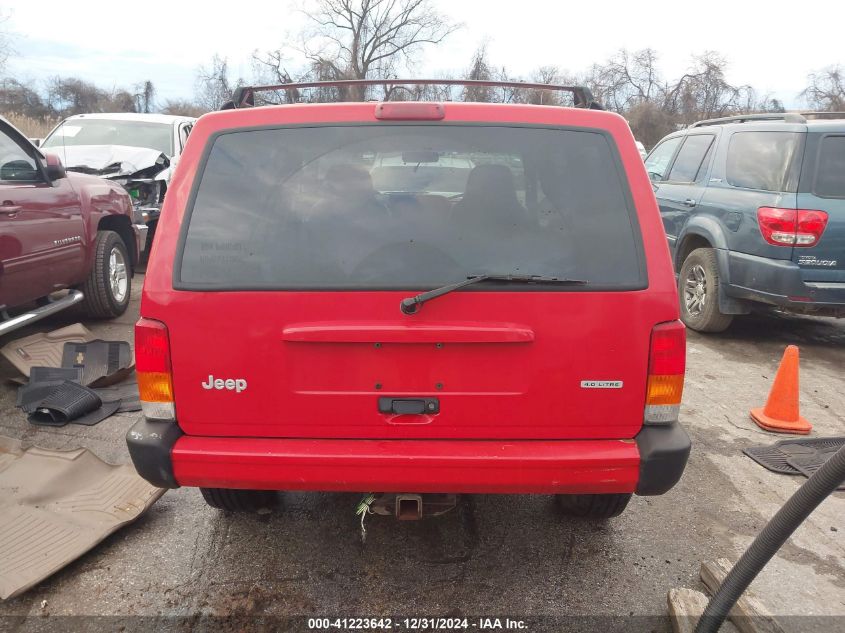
x: 409, y: 507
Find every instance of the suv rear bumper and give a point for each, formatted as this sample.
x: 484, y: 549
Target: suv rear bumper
x: 650, y: 464
x: 780, y: 283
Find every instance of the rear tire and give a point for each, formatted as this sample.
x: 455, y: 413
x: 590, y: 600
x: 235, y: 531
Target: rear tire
x: 239, y: 500
x: 109, y: 285
x: 698, y: 289
x: 593, y: 506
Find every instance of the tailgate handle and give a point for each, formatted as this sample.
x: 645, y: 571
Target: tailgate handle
x: 408, y: 406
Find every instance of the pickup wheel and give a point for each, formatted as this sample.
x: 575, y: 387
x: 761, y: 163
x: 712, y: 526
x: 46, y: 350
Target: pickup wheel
x: 698, y: 287
x: 109, y: 283
x: 239, y: 500
x: 593, y: 506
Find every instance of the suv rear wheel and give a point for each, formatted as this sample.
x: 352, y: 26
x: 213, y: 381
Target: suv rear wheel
x: 593, y: 506
x: 239, y: 500
x: 698, y: 287
x: 109, y: 283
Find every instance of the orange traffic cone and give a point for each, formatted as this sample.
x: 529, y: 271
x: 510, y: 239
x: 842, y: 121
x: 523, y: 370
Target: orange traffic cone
x: 781, y: 411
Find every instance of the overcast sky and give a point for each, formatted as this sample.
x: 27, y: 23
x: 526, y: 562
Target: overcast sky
x: 115, y: 43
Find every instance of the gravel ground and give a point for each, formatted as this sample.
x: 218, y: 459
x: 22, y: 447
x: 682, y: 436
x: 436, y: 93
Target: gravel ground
x: 492, y: 556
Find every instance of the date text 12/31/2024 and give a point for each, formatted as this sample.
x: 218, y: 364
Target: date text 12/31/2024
x: 416, y: 624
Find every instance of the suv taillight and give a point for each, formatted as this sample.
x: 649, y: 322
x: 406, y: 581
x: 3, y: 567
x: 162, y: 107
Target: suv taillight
x: 666, y: 366
x: 791, y: 227
x: 152, y: 364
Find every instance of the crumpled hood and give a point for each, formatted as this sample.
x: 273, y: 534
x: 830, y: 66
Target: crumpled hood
x: 111, y: 160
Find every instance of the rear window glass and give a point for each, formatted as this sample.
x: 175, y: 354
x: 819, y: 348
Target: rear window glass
x: 409, y: 206
x: 830, y: 170
x: 761, y: 160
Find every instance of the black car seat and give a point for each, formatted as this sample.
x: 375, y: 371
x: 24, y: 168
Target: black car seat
x: 490, y: 199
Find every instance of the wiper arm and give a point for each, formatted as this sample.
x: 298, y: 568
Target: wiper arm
x: 412, y: 305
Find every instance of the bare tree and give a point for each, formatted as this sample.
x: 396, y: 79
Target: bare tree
x: 548, y: 75
x: 271, y: 68
x: 182, y: 107
x: 366, y: 39
x: 704, y: 92
x: 15, y: 96
x: 826, y: 90
x: 627, y: 79
x: 6, y: 48
x: 650, y: 122
x: 71, y: 95
x: 213, y: 86
x: 145, y: 97
x: 480, y: 69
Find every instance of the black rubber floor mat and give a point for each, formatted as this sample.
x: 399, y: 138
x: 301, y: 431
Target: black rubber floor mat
x: 126, y: 393
x: 70, y: 402
x: 30, y: 396
x: 776, y: 457
x: 807, y: 465
x: 42, y: 381
x: 106, y: 410
x: 53, y: 374
x: 103, y: 363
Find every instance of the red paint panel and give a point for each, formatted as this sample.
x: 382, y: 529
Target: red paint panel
x: 315, y: 372
x: 545, y: 467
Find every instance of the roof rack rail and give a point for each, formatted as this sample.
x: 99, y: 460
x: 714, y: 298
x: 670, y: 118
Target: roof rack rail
x: 823, y: 115
x: 244, y: 96
x: 786, y: 117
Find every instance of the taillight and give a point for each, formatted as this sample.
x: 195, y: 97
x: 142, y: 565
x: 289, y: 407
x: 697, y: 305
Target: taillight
x: 666, y: 366
x: 791, y: 227
x: 152, y: 364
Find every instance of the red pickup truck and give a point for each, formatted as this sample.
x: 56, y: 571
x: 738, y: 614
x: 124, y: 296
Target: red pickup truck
x: 59, y: 231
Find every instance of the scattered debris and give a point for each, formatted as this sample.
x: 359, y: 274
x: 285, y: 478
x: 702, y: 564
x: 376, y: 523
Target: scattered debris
x: 103, y: 363
x: 57, y: 505
x: 71, y: 402
x: 685, y: 608
x: 363, y: 510
x: 44, y: 349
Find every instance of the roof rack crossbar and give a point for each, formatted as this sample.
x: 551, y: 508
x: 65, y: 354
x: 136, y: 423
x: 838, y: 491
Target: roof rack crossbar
x: 786, y: 117
x: 823, y: 115
x: 244, y: 96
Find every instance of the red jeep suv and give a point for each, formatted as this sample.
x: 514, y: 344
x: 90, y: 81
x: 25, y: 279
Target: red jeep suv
x: 411, y: 297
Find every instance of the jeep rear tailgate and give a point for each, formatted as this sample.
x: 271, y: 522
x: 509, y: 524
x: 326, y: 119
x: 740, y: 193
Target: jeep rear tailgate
x: 291, y: 265
x: 548, y: 366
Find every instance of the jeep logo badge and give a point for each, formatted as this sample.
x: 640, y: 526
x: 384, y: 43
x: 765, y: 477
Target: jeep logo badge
x: 231, y: 384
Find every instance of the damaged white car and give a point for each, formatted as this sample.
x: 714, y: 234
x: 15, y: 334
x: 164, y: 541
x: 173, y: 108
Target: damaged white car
x: 138, y: 151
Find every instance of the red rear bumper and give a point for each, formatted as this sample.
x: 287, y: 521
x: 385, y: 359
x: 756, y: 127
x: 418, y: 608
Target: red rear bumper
x: 584, y: 466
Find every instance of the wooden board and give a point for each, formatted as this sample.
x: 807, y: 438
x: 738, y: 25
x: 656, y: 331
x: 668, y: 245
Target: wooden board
x: 749, y: 614
x: 685, y: 607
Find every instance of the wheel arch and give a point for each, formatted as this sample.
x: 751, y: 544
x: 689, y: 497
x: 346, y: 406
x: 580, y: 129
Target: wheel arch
x: 121, y: 225
x: 700, y: 232
x: 706, y: 232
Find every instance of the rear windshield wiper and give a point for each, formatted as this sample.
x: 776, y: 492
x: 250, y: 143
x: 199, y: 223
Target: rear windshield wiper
x: 413, y: 304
